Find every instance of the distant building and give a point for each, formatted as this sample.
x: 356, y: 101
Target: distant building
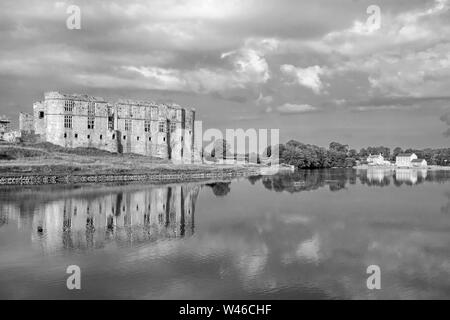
x: 419, y: 163
x: 4, y: 124
x: 375, y: 160
x: 405, y: 159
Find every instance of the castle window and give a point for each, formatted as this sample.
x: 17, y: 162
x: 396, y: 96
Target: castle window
x: 101, y: 137
x: 113, y: 136
x: 65, y: 135
x: 68, y: 105
x: 127, y: 124
x: 162, y: 126
x: 91, y: 115
x: 147, y: 126
x: 111, y: 122
x: 181, y: 138
x: 76, y: 135
x: 91, y: 109
x: 149, y: 138
x: 173, y: 126
x: 124, y: 137
x: 41, y: 114
x: 164, y: 139
x: 68, y: 122
x: 91, y: 121
x: 88, y: 136
x: 137, y: 138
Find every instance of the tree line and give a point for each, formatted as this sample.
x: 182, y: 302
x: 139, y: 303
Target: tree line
x: 340, y: 155
x: 309, y: 156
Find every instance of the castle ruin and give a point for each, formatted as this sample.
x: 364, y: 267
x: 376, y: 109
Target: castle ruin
x: 126, y: 126
x: 4, y: 124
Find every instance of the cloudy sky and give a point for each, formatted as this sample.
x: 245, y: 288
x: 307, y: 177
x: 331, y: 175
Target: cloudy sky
x: 317, y: 70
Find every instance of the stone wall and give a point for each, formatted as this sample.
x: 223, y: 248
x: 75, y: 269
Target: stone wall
x: 40, y: 120
x: 127, y: 126
x: 26, y: 122
x: 102, y: 178
x: 4, y: 124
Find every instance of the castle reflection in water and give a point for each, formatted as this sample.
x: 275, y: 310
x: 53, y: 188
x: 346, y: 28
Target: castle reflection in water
x: 93, y: 216
x: 123, y: 216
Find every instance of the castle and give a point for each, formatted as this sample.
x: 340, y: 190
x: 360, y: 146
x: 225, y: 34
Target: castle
x: 126, y: 126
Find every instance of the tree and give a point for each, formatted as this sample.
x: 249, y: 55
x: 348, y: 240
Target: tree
x: 220, y: 149
x: 339, y: 147
x: 396, y: 152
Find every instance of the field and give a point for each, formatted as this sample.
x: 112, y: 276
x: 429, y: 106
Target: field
x: 48, y: 159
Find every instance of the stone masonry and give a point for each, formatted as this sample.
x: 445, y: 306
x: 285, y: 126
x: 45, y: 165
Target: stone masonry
x: 126, y: 126
x: 4, y: 124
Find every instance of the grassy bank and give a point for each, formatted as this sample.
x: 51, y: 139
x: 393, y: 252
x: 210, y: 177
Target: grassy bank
x: 48, y: 159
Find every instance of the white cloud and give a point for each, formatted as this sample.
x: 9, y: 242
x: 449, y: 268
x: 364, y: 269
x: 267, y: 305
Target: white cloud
x: 294, y: 108
x: 248, y: 67
x: 264, y: 99
x: 308, y: 77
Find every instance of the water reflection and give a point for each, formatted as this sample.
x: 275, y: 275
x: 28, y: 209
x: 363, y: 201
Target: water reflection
x: 335, y: 180
x: 126, y: 217
x: 265, y: 237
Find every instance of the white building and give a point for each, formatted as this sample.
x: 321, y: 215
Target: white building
x: 377, y: 160
x: 405, y: 159
x: 420, y: 163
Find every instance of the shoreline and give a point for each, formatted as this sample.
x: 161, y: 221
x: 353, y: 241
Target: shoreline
x: 430, y: 168
x: 42, y: 164
x: 175, y: 177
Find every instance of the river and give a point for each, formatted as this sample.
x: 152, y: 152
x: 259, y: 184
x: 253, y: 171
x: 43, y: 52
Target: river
x: 307, y: 235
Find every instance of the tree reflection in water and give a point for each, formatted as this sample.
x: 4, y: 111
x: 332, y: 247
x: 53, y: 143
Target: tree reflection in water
x: 220, y: 189
x: 337, y: 179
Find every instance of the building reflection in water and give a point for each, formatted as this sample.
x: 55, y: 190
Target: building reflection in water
x: 339, y: 179
x: 126, y: 217
x: 410, y: 176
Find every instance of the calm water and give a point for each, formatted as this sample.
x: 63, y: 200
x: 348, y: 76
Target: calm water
x: 307, y: 235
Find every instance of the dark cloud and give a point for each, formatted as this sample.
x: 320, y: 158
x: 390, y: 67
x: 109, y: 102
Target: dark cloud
x: 173, y: 50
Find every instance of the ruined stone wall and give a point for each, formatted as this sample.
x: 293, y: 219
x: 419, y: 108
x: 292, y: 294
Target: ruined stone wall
x: 26, y: 122
x: 3, y: 130
x: 40, y: 120
x: 128, y: 126
x: 83, y: 124
x: 132, y: 118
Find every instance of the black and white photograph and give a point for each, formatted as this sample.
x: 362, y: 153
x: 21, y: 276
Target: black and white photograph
x: 243, y: 151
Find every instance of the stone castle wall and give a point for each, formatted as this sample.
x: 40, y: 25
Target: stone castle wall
x: 127, y: 126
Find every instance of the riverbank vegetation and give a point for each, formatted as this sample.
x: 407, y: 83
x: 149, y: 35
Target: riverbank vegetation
x: 307, y: 156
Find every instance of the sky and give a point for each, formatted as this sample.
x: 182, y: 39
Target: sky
x: 319, y: 71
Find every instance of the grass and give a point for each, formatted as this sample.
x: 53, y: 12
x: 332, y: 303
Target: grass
x: 49, y: 159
